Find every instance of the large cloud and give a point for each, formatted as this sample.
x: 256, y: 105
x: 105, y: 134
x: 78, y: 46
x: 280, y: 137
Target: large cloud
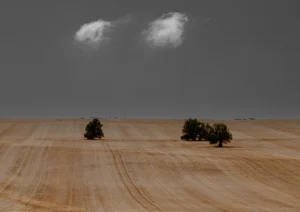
x: 93, y: 33
x: 166, y: 30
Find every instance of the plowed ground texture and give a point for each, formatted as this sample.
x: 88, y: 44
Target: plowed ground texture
x: 142, y: 165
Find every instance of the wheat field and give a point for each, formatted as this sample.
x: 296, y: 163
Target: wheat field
x: 141, y: 165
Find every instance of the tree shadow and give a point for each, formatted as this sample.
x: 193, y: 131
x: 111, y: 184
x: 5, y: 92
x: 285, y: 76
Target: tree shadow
x: 196, y: 141
x: 226, y: 147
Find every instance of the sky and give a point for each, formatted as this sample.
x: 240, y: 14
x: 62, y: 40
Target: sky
x: 150, y: 59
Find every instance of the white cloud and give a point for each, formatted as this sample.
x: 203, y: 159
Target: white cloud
x: 93, y: 33
x: 166, y: 30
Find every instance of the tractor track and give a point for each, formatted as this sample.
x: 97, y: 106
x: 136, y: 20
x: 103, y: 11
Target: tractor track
x: 129, y: 185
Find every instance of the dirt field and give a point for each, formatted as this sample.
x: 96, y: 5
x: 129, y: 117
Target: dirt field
x: 142, y: 166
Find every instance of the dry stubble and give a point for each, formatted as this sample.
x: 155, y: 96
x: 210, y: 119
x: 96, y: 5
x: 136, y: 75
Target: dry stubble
x: 45, y: 165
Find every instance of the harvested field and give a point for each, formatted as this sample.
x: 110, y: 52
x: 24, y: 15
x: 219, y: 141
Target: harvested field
x: 141, y: 165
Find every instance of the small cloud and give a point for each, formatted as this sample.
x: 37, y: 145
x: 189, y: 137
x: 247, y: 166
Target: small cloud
x: 166, y: 30
x: 93, y: 33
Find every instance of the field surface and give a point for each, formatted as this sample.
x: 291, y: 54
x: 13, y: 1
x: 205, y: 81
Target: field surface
x: 141, y: 165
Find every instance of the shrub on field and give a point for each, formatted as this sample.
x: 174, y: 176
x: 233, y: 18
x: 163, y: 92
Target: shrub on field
x: 93, y: 130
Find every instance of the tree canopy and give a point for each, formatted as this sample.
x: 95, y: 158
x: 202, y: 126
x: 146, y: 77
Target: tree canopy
x: 219, y: 133
x: 196, y: 130
x: 191, y: 129
x: 94, y: 130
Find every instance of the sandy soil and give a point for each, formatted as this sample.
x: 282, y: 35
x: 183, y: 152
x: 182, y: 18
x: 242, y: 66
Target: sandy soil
x: 46, y: 165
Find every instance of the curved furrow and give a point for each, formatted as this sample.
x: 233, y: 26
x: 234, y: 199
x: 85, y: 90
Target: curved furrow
x: 20, y: 162
x: 74, y: 163
x: 130, y: 186
x: 291, y: 144
x: 248, y: 171
x: 100, y: 192
x: 188, y: 190
x: 246, y: 188
x: 36, y: 205
x: 157, y: 177
x: 31, y: 176
x: 141, y: 173
x: 50, y: 188
x: 9, y: 186
x: 25, y: 186
x: 295, y: 164
x: 137, y: 175
x: 56, y: 179
x: 66, y: 176
x: 34, y: 173
x: 174, y: 196
x: 290, y: 166
x: 173, y: 182
x: 195, y: 186
x: 113, y: 194
x: 126, y: 186
x: 48, y: 166
x: 272, y: 170
x: 210, y: 175
x: 278, y: 178
x: 38, y: 168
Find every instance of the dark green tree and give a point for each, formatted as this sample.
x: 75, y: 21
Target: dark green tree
x: 193, y: 130
x: 218, y: 133
x: 202, y: 131
x: 190, y: 129
x: 93, y: 130
x: 207, y: 131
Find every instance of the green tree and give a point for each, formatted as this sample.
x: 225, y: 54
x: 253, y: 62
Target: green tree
x: 202, y: 131
x: 193, y: 130
x: 218, y: 133
x: 206, y: 129
x: 190, y: 129
x: 93, y: 130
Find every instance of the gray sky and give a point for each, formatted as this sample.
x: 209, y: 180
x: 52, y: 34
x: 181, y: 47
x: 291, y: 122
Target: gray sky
x: 236, y: 59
